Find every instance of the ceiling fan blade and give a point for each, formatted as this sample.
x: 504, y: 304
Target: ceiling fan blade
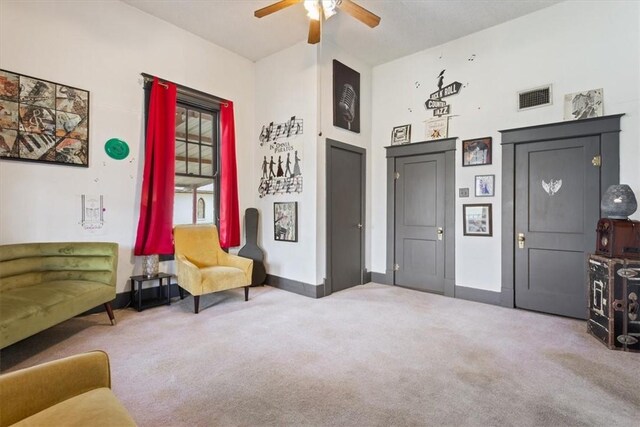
x: 268, y: 10
x: 314, y: 31
x: 360, y: 13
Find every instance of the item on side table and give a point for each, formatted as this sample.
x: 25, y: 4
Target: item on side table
x: 618, y: 202
x: 614, y: 309
x: 75, y: 391
x: 43, y: 284
x: 251, y: 249
x: 618, y: 238
x: 150, y: 265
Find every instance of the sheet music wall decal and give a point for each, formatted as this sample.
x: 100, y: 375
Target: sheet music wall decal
x: 281, y: 167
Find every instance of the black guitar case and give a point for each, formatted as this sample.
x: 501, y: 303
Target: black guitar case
x: 251, y: 249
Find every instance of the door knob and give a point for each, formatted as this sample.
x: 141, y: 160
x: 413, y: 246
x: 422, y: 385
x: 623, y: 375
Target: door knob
x: 360, y: 226
x: 521, y: 240
x: 440, y: 233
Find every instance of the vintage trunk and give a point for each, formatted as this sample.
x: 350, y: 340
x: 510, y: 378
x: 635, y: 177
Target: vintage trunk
x: 614, y: 309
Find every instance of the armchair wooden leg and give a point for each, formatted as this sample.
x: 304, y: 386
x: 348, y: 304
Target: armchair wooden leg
x: 246, y: 293
x: 107, y: 306
x: 181, y: 292
x: 196, y: 303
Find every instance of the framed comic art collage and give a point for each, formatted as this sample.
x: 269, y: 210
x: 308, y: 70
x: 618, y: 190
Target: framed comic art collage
x: 43, y: 121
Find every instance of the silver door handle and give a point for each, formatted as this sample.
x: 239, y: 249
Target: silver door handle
x: 360, y: 226
x: 440, y: 233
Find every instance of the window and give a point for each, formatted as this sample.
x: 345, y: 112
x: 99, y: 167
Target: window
x: 197, y: 155
x: 196, y: 195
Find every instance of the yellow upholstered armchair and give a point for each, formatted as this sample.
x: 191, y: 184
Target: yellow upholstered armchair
x: 203, y: 267
x: 74, y: 391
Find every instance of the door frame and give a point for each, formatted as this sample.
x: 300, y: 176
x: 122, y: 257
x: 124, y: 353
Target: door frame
x: 607, y: 128
x: 448, y: 147
x: 331, y: 144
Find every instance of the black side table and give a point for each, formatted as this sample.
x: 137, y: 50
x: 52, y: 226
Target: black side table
x: 163, y: 293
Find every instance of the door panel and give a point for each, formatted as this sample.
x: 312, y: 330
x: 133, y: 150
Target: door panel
x: 419, y: 208
x: 557, y: 207
x: 345, y: 201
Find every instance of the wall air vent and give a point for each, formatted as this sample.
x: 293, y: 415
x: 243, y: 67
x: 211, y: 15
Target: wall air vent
x: 537, y: 97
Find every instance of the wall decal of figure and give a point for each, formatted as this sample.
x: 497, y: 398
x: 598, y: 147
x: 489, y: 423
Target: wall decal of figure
x: 271, y: 165
x: 287, y: 171
x: 280, y: 171
x: 265, y: 168
x: 296, y: 165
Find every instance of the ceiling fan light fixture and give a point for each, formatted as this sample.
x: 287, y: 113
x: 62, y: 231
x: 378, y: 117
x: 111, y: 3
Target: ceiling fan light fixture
x: 328, y: 8
x: 313, y: 9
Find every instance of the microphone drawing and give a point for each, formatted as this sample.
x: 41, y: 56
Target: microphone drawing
x: 347, y: 104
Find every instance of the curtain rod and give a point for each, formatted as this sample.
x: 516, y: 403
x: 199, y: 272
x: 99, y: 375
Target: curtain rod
x: 186, y: 90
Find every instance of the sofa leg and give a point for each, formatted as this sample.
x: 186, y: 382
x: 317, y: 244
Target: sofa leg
x: 196, y: 303
x: 246, y: 293
x: 107, y: 306
x: 181, y: 292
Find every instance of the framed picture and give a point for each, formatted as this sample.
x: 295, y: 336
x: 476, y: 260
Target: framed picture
x: 285, y: 221
x: 346, y: 97
x: 401, y: 135
x: 477, y: 220
x: 437, y: 128
x: 43, y: 121
x: 485, y: 185
x: 583, y: 105
x: 476, y: 152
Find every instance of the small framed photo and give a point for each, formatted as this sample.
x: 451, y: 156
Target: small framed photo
x: 485, y: 185
x: 285, y: 221
x: 437, y: 128
x: 583, y: 105
x: 476, y: 152
x: 477, y: 220
x: 401, y: 135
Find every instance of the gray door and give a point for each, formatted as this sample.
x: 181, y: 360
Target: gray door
x: 419, y: 227
x: 345, y: 210
x: 556, y: 211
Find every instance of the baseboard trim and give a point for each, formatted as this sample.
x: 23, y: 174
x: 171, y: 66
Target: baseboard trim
x: 367, y: 276
x: 478, y: 295
x: 300, y: 288
x: 378, y: 278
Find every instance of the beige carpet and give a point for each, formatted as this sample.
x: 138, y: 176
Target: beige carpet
x: 373, y: 355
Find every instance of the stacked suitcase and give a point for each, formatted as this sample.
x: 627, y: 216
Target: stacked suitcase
x: 614, y: 286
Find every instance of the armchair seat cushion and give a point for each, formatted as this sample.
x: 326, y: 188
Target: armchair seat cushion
x: 219, y: 277
x: 98, y: 407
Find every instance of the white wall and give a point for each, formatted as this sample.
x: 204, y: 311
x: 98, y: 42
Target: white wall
x: 573, y: 45
x: 103, y: 47
x: 286, y: 85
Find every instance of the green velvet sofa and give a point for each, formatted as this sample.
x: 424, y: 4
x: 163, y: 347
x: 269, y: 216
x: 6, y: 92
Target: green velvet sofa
x: 43, y: 284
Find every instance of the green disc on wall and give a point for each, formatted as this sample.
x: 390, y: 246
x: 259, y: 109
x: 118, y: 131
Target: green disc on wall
x: 116, y: 148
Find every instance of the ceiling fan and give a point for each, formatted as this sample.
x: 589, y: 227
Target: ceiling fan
x: 319, y: 9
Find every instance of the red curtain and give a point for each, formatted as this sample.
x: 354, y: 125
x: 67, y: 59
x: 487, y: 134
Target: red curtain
x: 229, y: 212
x: 156, y: 205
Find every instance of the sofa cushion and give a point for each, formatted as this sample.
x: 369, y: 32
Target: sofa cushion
x: 96, y: 408
x: 27, y: 310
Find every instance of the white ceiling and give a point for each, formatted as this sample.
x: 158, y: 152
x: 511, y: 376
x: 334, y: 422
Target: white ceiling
x: 406, y: 27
